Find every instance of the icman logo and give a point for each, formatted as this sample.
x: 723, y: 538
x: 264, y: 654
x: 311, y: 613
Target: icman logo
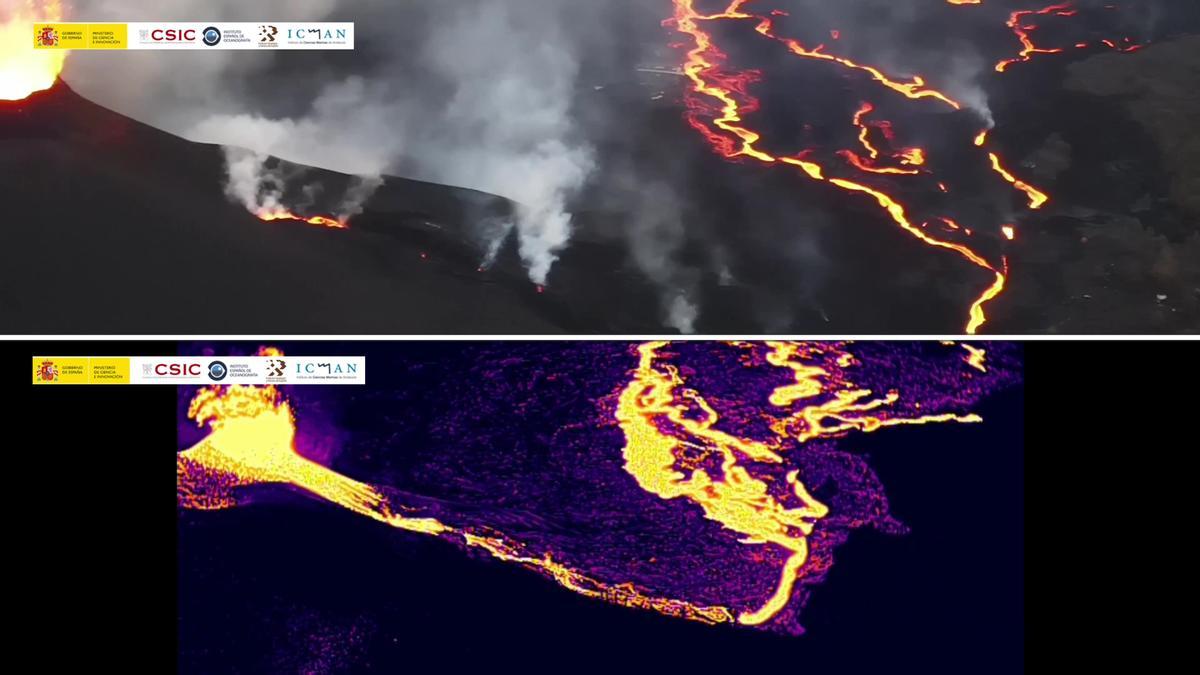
x: 47, y: 371
x: 47, y: 37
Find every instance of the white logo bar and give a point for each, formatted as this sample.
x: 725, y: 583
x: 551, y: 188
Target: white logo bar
x: 225, y: 35
x: 248, y: 370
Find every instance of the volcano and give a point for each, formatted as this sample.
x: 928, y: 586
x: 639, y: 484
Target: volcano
x: 118, y: 227
x: 862, y: 208
x: 125, y: 229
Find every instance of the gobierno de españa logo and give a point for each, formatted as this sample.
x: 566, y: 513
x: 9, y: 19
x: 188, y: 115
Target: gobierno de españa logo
x: 47, y: 371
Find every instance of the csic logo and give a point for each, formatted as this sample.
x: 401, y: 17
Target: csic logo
x: 267, y: 33
x: 211, y: 36
x: 172, y: 35
x: 47, y: 371
x: 172, y: 369
x: 217, y: 371
x: 46, y: 37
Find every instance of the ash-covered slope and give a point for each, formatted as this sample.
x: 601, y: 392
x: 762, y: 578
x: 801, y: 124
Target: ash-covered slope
x: 118, y: 227
x: 1160, y: 88
x: 113, y: 226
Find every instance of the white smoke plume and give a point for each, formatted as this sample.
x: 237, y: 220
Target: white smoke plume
x: 356, y: 196
x: 250, y: 183
x: 346, y: 128
x: 469, y: 93
x: 506, y: 128
x: 250, y: 140
x: 963, y: 77
x: 682, y: 315
x: 656, y: 233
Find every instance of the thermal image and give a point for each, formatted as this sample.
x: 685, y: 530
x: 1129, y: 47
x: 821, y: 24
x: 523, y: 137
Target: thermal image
x: 712, y: 482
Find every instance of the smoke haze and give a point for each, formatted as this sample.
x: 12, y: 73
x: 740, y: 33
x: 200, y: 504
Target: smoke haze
x: 542, y: 102
x: 470, y: 93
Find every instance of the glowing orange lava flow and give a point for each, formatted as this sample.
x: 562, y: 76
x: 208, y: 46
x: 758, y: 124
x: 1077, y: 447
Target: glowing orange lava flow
x: 1023, y: 31
x: 908, y: 156
x: 978, y: 318
x: 282, y: 214
x: 1037, y: 198
x: 864, y: 133
x: 252, y: 441
x: 914, y: 88
x: 661, y: 417
x: 1017, y: 22
x: 702, y: 68
x: 23, y: 69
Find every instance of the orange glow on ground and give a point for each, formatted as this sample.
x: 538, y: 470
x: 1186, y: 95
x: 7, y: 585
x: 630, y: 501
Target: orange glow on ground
x: 1037, y: 198
x: 283, y: 214
x: 720, y: 100
x: 702, y: 67
x: 1021, y: 24
x: 1016, y: 21
x: 915, y: 88
x: 978, y: 318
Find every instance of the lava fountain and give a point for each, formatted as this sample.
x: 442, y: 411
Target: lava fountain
x: 23, y: 69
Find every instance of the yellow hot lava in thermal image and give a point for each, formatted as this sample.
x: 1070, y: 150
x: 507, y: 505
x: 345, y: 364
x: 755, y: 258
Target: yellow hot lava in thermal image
x: 23, y: 69
x: 252, y: 440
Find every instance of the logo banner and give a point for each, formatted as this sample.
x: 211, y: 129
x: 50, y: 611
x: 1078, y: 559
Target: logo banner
x: 195, y: 36
x: 247, y: 370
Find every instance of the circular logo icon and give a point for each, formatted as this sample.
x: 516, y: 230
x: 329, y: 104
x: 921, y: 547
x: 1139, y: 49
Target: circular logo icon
x: 211, y: 36
x: 217, y: 371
